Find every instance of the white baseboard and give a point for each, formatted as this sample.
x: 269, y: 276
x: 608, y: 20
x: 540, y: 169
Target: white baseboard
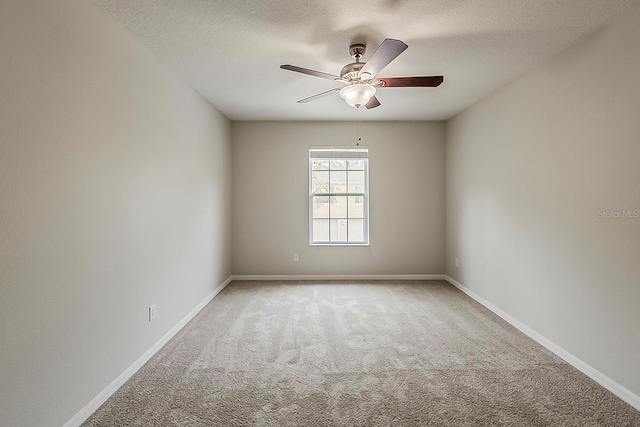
x: 342, y: 277
x: 97, y: 401
x: 606, y: 382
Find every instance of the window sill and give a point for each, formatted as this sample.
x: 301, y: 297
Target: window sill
x: 339, y: 244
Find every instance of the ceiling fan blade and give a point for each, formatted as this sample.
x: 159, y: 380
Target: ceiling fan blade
x: 310, y: 72
x: 373, y: 103
x: 388, y: 50
x: 417, y: 81
x: 320, y: 95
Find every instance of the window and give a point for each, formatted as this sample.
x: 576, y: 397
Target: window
x: 338, y: 195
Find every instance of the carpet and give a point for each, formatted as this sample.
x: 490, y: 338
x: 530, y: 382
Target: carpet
x: 388, y: 353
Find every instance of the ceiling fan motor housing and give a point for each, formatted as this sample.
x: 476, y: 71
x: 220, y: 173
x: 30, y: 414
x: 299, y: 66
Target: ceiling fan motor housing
x: 351, y: 71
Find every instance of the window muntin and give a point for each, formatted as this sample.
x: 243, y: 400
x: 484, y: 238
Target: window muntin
x: 338, y: 196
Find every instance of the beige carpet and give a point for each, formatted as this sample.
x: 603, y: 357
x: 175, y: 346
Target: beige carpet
x: 356, y: 354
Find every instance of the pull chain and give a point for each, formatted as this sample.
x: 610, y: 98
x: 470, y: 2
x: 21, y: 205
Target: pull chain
x: 359, y: 138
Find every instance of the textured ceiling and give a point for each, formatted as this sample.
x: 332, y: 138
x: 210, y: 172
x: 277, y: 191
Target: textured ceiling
x: 230, y: 50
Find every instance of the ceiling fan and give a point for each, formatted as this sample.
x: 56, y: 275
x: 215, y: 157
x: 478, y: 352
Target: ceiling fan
x: 359, y: 78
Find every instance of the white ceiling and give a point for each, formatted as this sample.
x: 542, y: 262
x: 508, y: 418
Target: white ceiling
x: 230, y: 50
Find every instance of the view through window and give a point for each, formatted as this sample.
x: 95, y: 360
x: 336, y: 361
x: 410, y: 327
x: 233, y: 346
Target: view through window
x: 339, y: 195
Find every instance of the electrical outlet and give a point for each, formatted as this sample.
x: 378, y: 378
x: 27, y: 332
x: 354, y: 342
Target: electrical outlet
x: 152, y: 312
x: 296, y: 257
x: 457, y: 263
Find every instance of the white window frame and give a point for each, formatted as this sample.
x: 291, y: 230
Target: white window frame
x: 347, y: 153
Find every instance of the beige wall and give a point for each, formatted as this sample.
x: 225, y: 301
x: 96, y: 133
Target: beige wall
x: 115, y: 194
x: 529, y: 171
x: 271, y: 205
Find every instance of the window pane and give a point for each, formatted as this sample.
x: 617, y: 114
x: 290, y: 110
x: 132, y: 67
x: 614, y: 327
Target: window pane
x: 320, y: 182
x: 356, y: 230
x: 356, y: 207
x: 338, y: 164
x: 356, y: 182
x: 320, y: 230
x: 338, y: 207
x: 338, y: 181
x: 321, y: 207
x: 356, y: 165
x: 338, y: 230
x: 319, y: 164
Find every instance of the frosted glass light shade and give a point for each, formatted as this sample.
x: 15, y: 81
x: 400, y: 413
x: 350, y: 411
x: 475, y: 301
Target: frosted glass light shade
x: 358, y: 94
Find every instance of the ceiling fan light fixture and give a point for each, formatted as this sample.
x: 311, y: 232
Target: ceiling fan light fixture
x: 357, y: 94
